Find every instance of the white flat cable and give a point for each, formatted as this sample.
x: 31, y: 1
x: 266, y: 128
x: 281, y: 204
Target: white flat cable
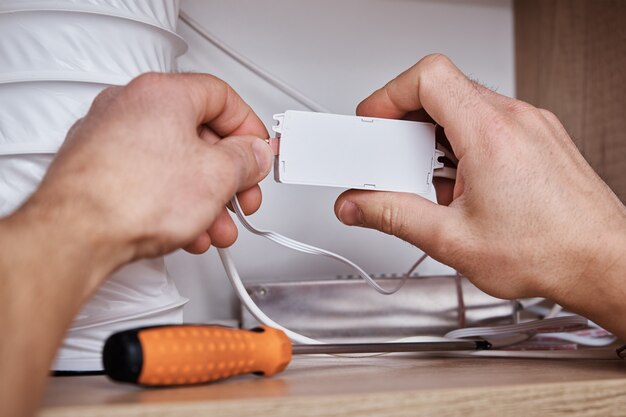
x: 227, y: 260
x: 552, y: 325
x: 257, y: 313
x: 499, y: 336
x: 515, y: 337
x: 557, y: 328
x: 303, y: 247
x: 246, y: 300
x: 595, y: 353
x: 597, y: 341
x: 445, y: 172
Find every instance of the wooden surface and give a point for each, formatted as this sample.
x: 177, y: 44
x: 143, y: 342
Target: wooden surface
x: 571, y: 60
x: 405, y: 385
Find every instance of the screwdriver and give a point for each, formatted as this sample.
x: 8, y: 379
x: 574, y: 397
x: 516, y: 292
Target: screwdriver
x: 193, y: 354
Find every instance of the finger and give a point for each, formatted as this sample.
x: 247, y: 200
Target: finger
x: 410, y: 217
x: 445, y: 190
x: 209, y: 136
x: 418, y: 116
x: 221, y: 108
x: 436, y: 85
x: 201, y: 244
x: 223, y: 231
x: 250, y: 200
x: 234, y: 164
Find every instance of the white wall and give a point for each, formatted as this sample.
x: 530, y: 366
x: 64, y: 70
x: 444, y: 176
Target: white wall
x: 336, y: 52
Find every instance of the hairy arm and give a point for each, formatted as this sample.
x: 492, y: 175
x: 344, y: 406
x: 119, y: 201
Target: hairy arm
x: 48, y: 267
x: 527, y: 216
x: 144, y: 173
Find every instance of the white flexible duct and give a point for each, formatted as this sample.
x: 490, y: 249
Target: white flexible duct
x: 55, y: 57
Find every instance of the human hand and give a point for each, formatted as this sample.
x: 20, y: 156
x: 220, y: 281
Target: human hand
x: 527, y: 215
x: 146, y: 170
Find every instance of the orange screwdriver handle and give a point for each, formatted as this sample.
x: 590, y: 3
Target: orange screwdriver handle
x: 193, y: 354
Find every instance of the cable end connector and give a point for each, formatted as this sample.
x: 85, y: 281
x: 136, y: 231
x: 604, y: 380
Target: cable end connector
x: 274, y: 144
x: 278, y: 127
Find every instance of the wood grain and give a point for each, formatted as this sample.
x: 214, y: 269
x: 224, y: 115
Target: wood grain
x: 571, y: 60
x: 400, y: 385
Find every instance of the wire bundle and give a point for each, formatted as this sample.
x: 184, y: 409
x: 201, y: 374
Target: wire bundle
x: 312, y: 250
x: 551, y: 326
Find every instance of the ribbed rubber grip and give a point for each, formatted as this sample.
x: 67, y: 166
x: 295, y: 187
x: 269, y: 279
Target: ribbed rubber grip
x: 193, y: 354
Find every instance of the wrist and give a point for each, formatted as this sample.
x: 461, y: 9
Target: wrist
x: 64, y: 237
x: 599, y: 292
x: 51, y: 260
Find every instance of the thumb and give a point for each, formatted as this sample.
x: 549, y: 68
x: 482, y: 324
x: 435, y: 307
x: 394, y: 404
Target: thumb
x: 412, y: 218
x: 243, y: 161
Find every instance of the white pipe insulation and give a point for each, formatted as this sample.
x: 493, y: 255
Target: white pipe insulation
x: 55, y: 57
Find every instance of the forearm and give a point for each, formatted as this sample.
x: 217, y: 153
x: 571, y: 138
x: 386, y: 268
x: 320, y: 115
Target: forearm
x: 600, y: 292
x: 49, y: 264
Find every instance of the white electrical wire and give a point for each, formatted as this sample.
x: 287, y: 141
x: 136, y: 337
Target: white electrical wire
x: 498, y: 336
x: 257, y: 313
x: 246, y: 300
x: 445, y: 172
x: 516, y: 331
x: 303, y: 247
x: 251, y: 66
x: 554, y: 312
x: 227, y: 260
x: 550, y: 325
x: 574, y: 337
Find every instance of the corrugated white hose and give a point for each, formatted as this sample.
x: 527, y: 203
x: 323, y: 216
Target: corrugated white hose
x: 56, y: 56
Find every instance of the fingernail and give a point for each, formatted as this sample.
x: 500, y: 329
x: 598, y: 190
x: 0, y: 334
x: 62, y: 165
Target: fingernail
x: 350, y: 214
x: 263, y: 154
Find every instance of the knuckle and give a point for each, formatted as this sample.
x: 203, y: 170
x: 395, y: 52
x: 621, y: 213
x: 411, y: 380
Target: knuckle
x: 500, y: 125
x: 434, y: 67
x: 150, y: 81
x: 223, y: 178
x: 498, y: 136
x: 236, y: 162
x: 105, y: 96
x: 498, y: 129
x: 437, y: 62
x: 217, y: 81
x: 75, y: 127
x: 451, y: 244
x: 550, y: 117
x: 390, y: 220
x: 442, y: 244
x: 155, y: 91
x: 521, y: 108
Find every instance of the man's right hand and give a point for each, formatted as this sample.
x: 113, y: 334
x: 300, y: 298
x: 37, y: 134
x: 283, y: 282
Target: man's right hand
x: 527, y: 215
